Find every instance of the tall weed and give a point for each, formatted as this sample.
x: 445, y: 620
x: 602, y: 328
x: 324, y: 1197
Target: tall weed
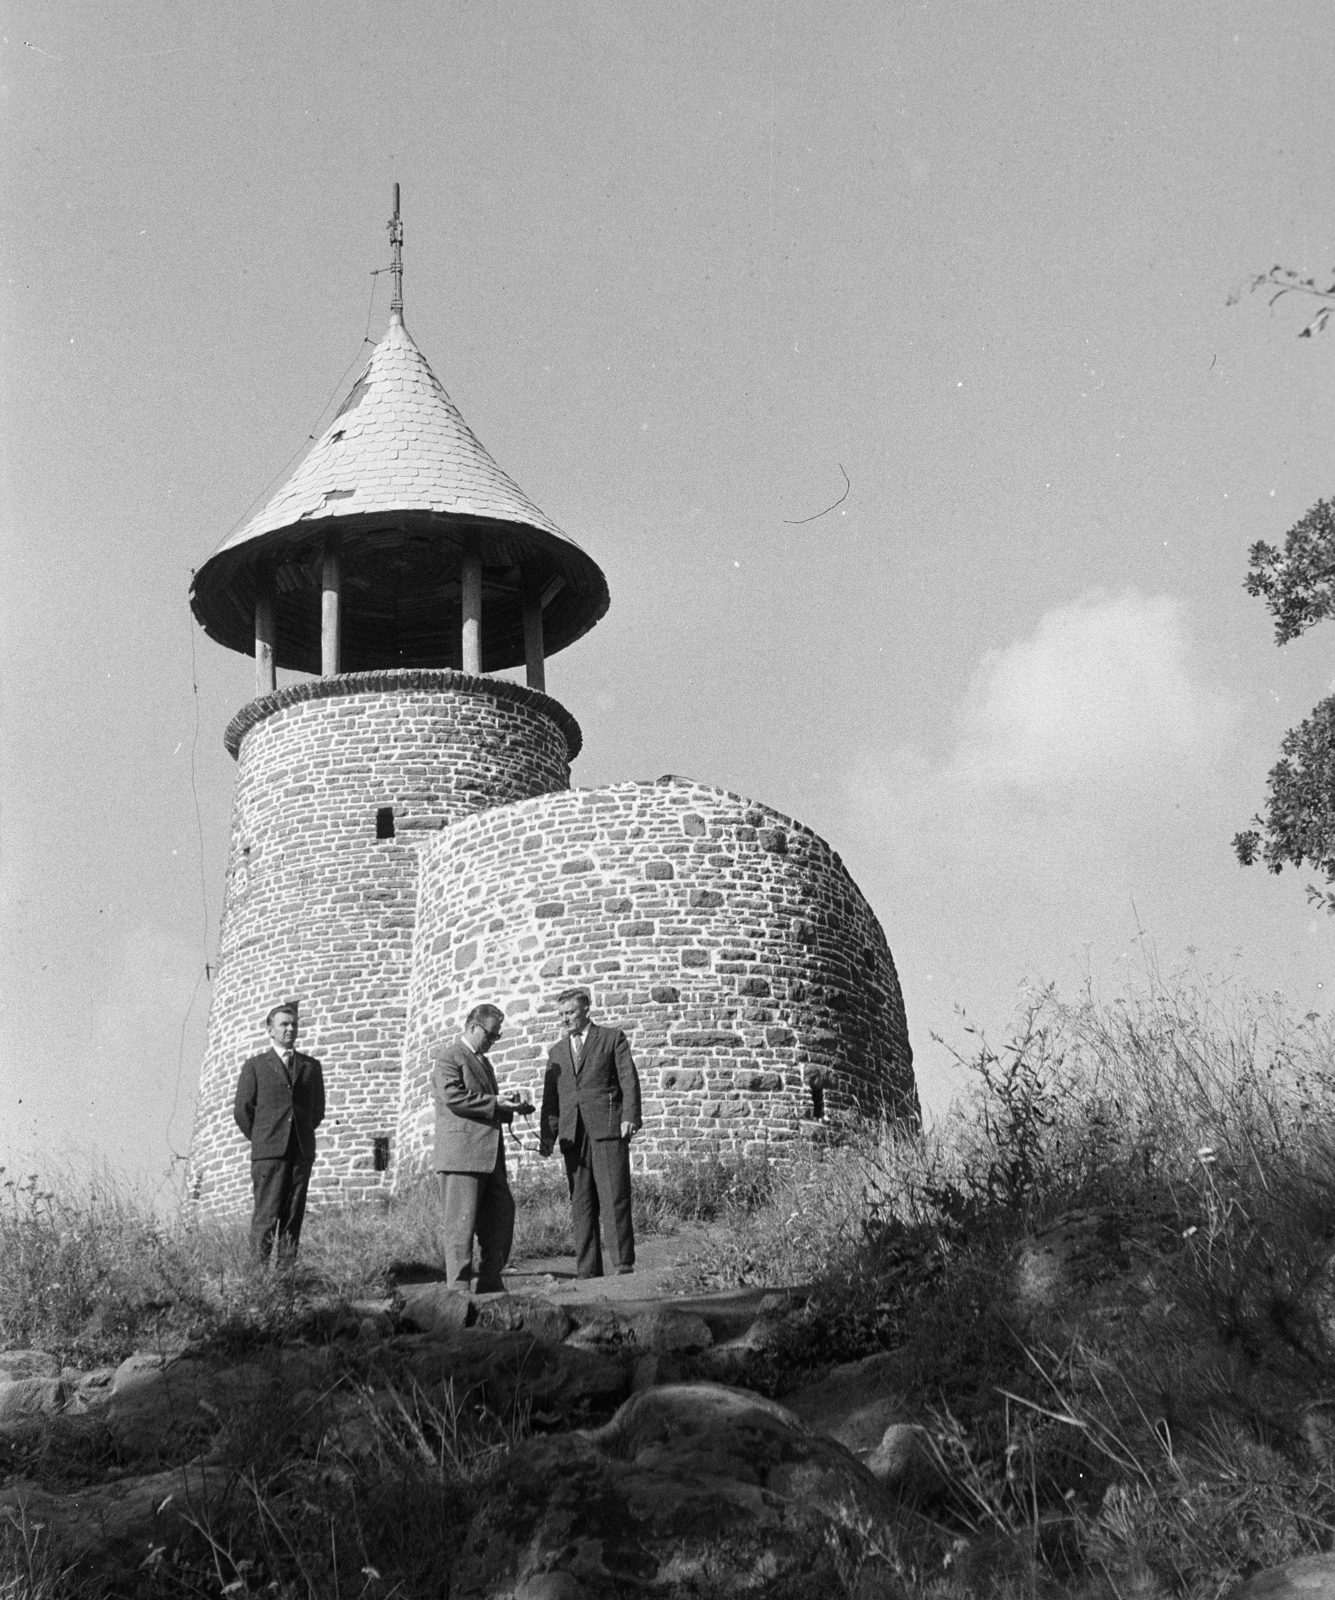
x: 29, y: 1569
x: 89, y: 1268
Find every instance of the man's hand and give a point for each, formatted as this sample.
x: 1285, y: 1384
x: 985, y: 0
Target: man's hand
x: 629, y: 1130
x: 517, y: 1104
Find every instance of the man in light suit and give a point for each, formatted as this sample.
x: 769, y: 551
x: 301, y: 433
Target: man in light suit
x: 279, y: 1104
x: 591, y: 1103
x: 470, y: 1153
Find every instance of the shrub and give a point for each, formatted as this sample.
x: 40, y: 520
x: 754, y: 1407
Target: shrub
x: 1167, y: 1421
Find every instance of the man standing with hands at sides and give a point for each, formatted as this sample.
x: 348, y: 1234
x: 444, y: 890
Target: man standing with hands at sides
x: 591, y: 1103
x: 470, y: 1153
x: 279, y: 1104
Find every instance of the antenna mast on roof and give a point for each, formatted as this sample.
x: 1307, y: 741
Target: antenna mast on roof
x: 396, y: 258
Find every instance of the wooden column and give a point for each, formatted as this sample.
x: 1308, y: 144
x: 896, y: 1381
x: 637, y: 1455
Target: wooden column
x: 266, y: 673
x: 535, y: 665
x: 471, y: 598
x: 331, y: 611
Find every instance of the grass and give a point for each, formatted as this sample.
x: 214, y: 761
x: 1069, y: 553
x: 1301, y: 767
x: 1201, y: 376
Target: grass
x: 29, y: 1569
x: 90, y: 1270
x: 377, y: 1505
x: 1158, y: 1421
x: 1166, y: 1424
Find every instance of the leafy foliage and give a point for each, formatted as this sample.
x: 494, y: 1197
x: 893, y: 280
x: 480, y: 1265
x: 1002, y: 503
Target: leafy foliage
x: 1284, y: 280
x: 1297, y: 583
x: 1299, y: 824
x: 1298, y: 587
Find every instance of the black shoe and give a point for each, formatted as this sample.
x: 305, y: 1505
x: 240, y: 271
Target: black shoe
x: 622, y: 1271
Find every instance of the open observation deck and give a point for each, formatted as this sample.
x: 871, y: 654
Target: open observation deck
x: 398, y: 542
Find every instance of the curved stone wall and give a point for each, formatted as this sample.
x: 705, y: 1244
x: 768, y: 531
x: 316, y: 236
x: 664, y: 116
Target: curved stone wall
x: 320, y: 908
x: 752, y: 978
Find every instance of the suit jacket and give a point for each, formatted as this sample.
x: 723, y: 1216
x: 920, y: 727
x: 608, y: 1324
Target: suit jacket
x: 271, y: 1112
x: 605, y: 1091
x: 469, y: 1116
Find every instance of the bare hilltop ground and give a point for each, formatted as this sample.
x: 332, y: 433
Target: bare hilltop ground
x: 1078, y: 1340
x: 662, y: 1264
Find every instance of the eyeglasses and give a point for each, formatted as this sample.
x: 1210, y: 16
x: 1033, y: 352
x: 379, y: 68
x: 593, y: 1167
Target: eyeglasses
x: 492, y: 1033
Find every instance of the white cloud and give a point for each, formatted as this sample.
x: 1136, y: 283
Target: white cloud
x: 1100, y: 693
x: 1078, y: 811
x: 1098, y: 707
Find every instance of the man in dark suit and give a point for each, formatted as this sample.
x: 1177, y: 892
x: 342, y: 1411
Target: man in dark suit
x: 279, y: 1105
x: 591, y: 1103
x: 470, y: 1153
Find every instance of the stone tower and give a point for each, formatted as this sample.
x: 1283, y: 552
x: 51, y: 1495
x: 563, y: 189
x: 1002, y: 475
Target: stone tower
x: 405, y: 841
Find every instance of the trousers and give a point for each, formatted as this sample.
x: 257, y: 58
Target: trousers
x: 279, y: 1185
x: 598, y: 1172
x: 478, y: 1204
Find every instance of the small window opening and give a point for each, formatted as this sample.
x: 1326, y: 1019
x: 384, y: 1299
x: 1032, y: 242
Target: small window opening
x: 818, y: 1100
x: 384, y: 822
x: 380, y: 1152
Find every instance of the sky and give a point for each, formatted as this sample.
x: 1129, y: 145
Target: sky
x: 688, y: 271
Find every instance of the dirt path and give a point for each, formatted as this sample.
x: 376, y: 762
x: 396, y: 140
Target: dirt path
x: 657, y: 1259
x: 653, y: 1284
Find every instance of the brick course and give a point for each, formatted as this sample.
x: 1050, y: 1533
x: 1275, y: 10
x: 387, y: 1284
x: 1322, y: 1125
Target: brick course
x: 320, y: 909
x: 728, y: 941
x: 751, y: 976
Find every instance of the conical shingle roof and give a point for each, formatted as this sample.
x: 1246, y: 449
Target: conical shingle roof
x: 401, y: 480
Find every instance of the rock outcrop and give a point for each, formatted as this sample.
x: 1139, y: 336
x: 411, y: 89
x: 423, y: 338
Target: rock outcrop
x: 693, y: 1484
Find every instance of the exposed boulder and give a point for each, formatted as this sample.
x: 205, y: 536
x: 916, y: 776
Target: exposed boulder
x: 853, y: 1403
x: 651, y: 1370
x: 746, y: 1360
x: 603, y: 1331
x: 117, y: 1525
x: 435, y: 1307
x: 668, y: 1331
x: 862, y: 1406
x: 30, y: 1386
x: 16, y: 1365
x: 558, y: 1381
x: 516, y: 1313
x: 357, y: 1422
x: 899, y: 1461
x: 154, y: 1409
x: 732, y: 1338
x: 1307, y: 1578
x: 692, y: 1484
x: 22, y: 1398
x: 163, y: 1409
x: 87, y: 1391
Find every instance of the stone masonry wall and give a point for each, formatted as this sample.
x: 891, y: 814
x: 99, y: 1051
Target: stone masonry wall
x: 727, y: 940
x: 320, y: 909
